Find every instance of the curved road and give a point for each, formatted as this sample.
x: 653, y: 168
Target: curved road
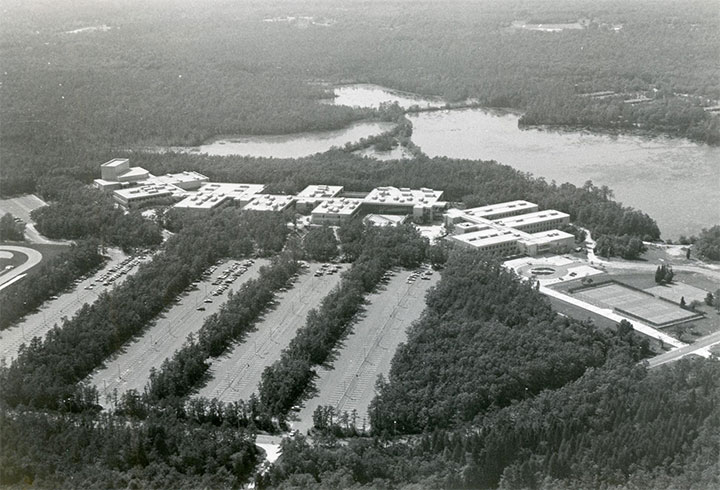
x: 34, y: 258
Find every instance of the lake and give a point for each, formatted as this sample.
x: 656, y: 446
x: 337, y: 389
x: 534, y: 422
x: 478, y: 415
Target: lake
x: 674, y: 180
x: 289, y: 145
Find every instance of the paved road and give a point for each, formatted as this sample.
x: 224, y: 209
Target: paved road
x: 236, y: 376
x: 53, y: 311
x: 700, y: 347
x: 368, y: 351
x: 131, y: 368
x: 34, y: 257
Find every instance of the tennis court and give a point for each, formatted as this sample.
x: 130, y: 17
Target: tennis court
x: 636, y: 303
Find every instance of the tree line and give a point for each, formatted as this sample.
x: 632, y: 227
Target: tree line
x: 486, y: 340
x: 50, y: 278
x: 45, y: 373
x: 618, y: 425
x: 188, y: 366
x: 286, y: 381
x: 60, y: 450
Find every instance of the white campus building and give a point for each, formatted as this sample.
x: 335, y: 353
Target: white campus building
x: 511, y: 228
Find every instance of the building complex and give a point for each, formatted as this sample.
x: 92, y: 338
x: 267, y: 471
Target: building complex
x: 504, y: 229
x: 510, y: 228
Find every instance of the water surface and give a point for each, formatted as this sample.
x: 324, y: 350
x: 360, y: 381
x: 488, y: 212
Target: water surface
x: 291, y: 145
x: 674, y: 180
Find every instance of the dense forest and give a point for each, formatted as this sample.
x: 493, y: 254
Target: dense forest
x: 494, y: 390
x: 56, y: 450
x: 617, y: 426
x: 485, y: 340
x: 79, y: 211
x: 178, y: 73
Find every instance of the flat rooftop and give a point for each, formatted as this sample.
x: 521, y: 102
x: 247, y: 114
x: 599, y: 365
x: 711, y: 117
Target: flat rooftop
x: 149, y: 190
x: 341, y: 206
x: 115, y: 162
x: 531, y: 218
x: 503, y: 207
x: 187, y: 176
x: 213, y: 194
x: 403, y: 196
x: 320, y: 191
x: 483, y: 238
x: 549, y: 236
x: 269, y: 202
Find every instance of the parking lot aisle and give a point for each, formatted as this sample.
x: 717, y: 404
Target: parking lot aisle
x: 66, y: 305
x: 131, y: 368
x: 236, y: 375
x: 368, y: 351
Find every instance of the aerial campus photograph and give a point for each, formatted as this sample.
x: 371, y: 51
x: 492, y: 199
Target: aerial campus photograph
x: 382, y: 244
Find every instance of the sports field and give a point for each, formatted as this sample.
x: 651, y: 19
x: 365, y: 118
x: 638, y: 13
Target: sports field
x: 236, y: 375
x: 642, y: 305
x: 131, y: 368
x: 349, y: 384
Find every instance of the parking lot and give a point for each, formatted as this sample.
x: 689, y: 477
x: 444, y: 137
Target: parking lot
x: 65, y: 305
x: 368, y: 351
x: 236, y: 375
x: 131, y: 368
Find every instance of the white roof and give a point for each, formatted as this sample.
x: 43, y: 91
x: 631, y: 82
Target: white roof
x: 531, y: 218
x: 212, y: 194
x: 341, y: 206
x: 320, y: 191
x: 483, y: 238
x: 503, y: 207
x: 115, y: 162
x: 149, y: 190
x: 269, y: 202
x: 403, y: 196
x: 549, y: 236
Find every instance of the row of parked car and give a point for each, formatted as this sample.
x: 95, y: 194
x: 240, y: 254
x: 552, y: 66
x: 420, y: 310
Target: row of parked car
x: 224, y: 280
x: 425, y: 273
x: 116, y: 272
x: 327, y: 269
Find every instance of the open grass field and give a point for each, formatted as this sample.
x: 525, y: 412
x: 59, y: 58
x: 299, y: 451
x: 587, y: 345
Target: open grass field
x: 130, y: 369
x: 642, y: 305
x: 349, y: 384
x: 236, y: 375
x: 51, y: 313
x: 21, y: 206
x: 677, y: 290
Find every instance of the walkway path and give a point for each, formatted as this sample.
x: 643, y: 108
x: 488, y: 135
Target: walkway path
x: 700, y: 347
